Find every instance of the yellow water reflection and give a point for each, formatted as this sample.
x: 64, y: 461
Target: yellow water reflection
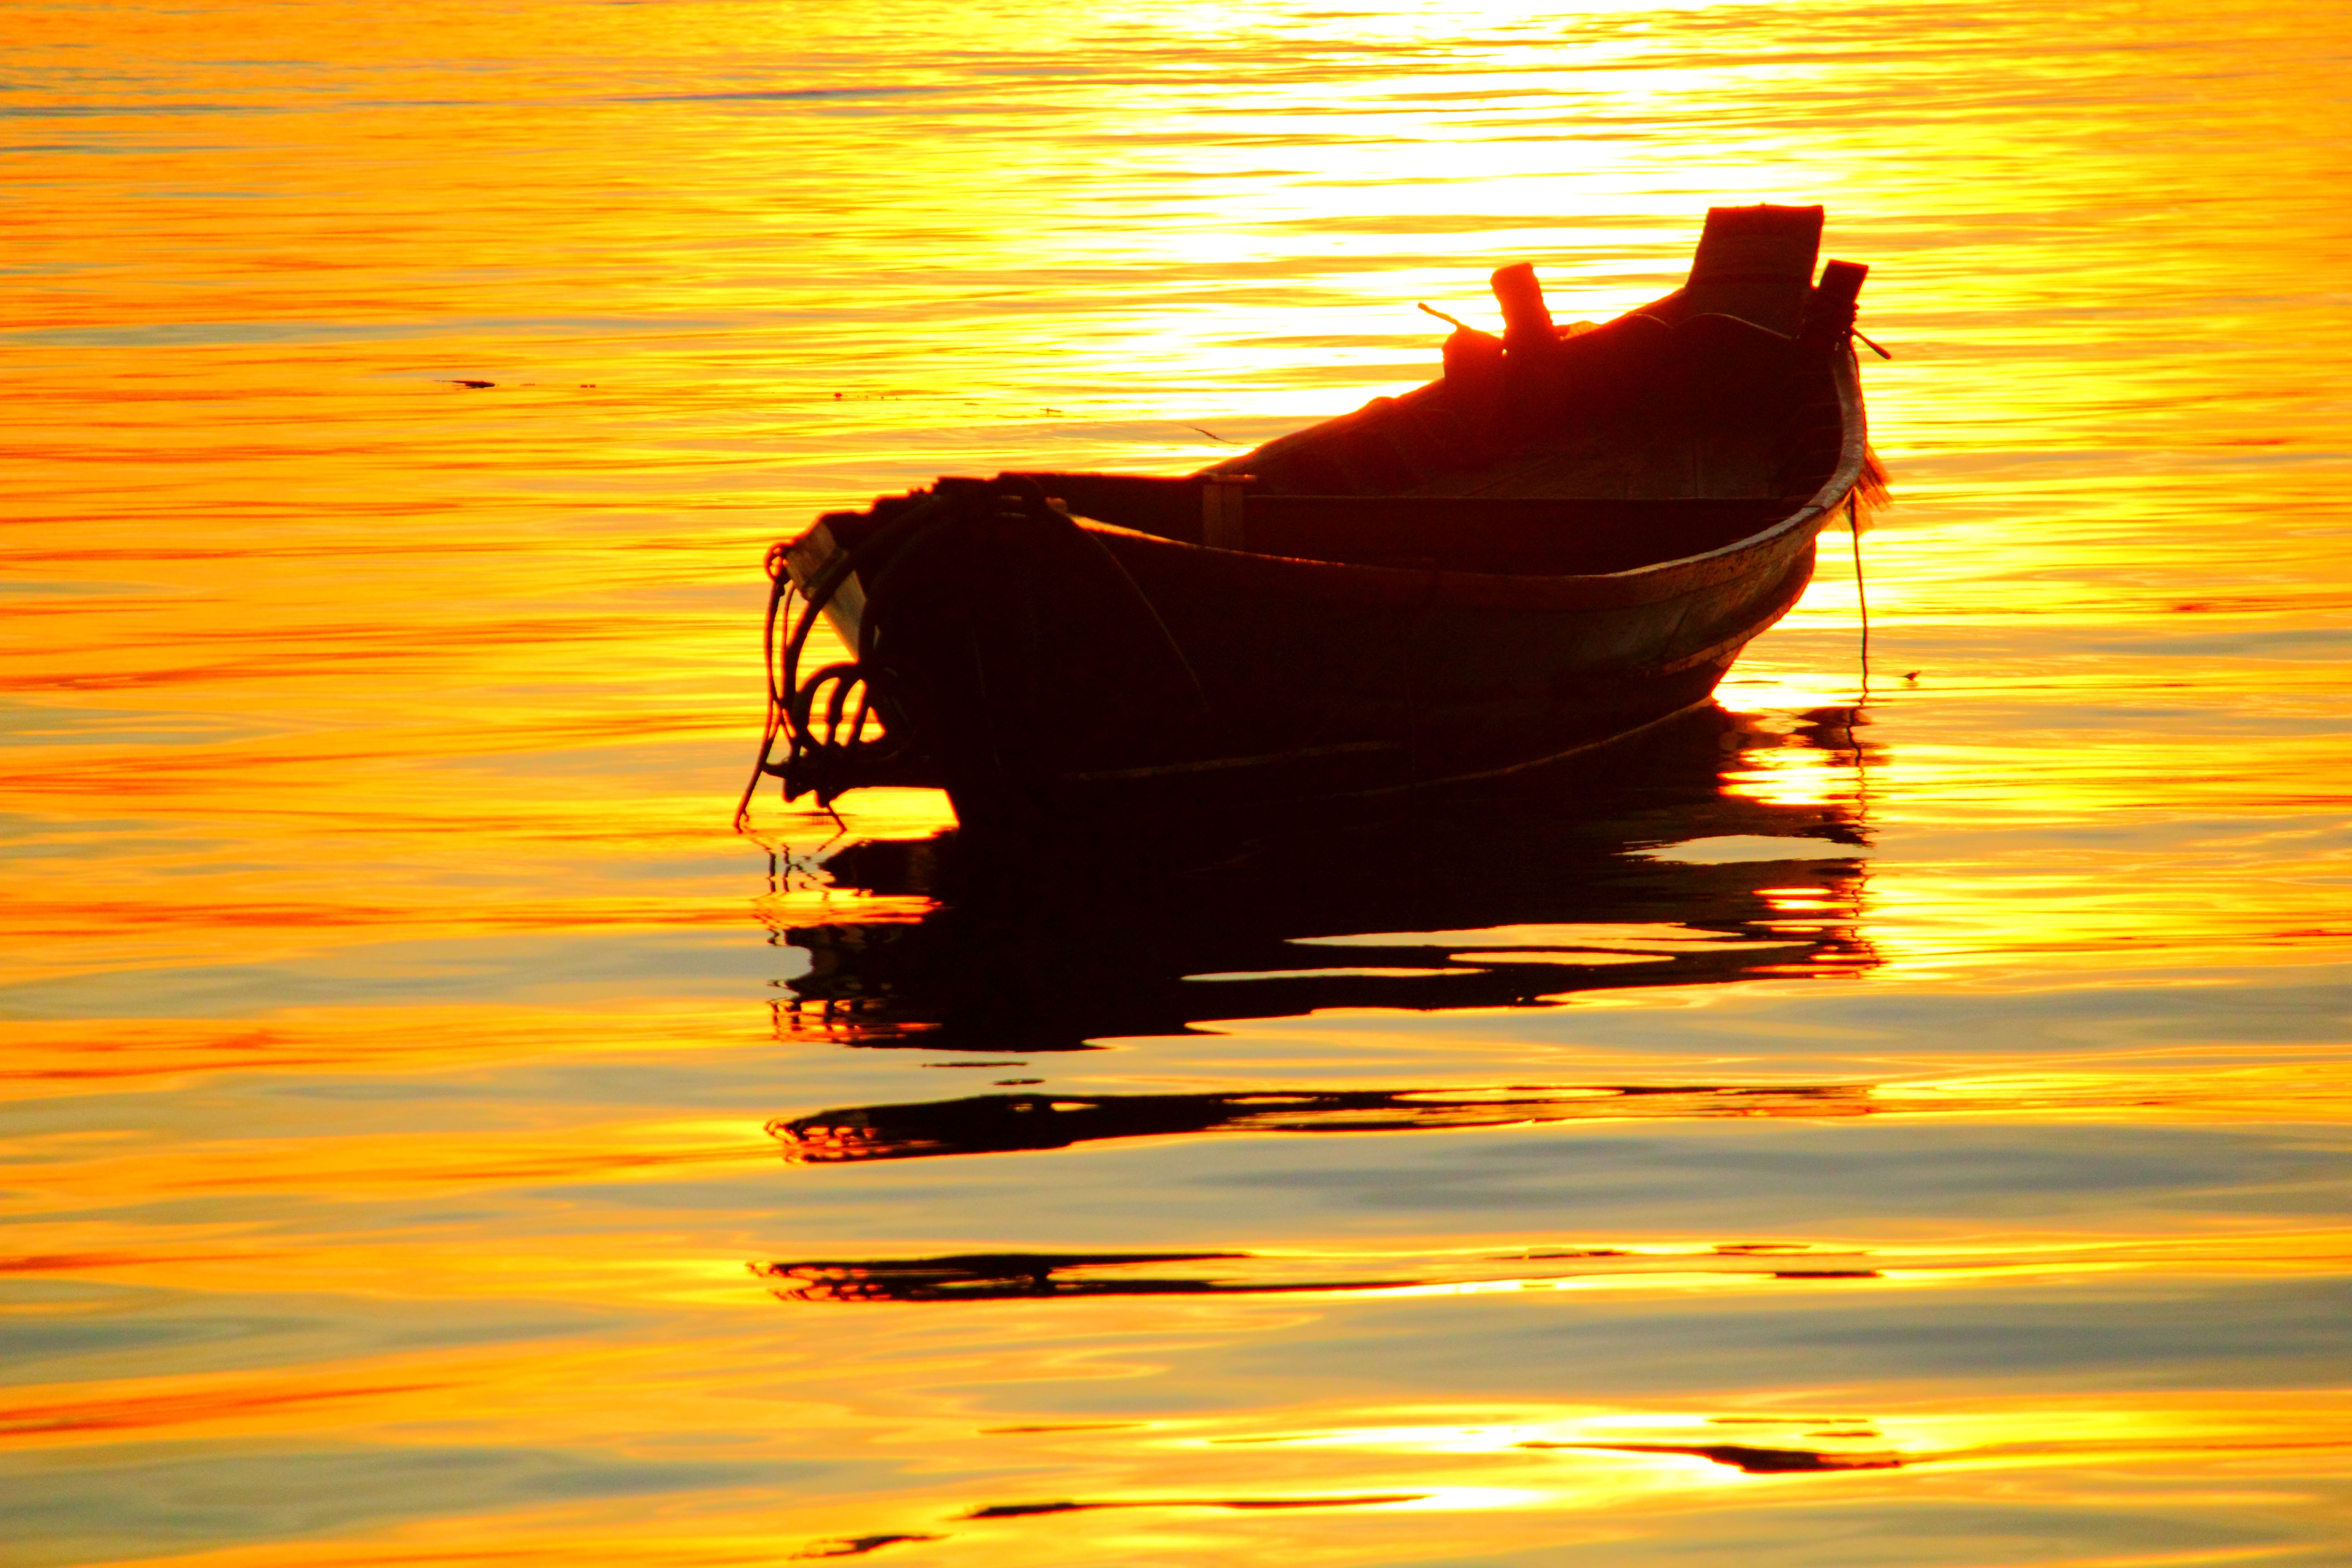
x: 1912, y: 1130
x: 1404, y: 1481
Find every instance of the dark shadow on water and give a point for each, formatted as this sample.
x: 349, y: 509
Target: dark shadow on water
x: 1751, y: 1460
x: 859, y: 1545
x: 1530, y: 896
x: 1030, y: 1509
x: 1154, y: 927
x: 973, y: 1276
x: 1022, y: 1277
x: 1002, y: 1123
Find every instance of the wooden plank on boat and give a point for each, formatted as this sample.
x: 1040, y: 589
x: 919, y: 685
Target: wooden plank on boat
x: 1222, y: 525
x: 1526, y: 320
x: 1756, y: 263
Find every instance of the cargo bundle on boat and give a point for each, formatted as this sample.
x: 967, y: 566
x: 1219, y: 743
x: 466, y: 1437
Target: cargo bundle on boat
x: 1565, y: 539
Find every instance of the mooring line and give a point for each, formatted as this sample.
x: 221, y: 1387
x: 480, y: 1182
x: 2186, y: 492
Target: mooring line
x: 1861, y: 596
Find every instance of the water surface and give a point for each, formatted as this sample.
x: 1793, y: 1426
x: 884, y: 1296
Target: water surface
x: 1902, y: 1125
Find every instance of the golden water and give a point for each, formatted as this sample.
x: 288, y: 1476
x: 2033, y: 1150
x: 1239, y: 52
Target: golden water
x: 1912, y: 1133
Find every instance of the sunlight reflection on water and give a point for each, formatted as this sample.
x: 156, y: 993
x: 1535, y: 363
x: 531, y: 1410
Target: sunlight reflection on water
x: 1902, y: 1131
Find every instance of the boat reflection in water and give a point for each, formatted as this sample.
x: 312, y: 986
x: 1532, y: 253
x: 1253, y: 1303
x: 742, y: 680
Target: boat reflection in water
x: 1662, y: 872
x: 1565, y: 882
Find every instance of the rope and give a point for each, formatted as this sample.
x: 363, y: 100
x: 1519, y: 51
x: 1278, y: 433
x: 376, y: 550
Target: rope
x: 779, y: 586
x: 1861, y: 595
x: 789, y: 700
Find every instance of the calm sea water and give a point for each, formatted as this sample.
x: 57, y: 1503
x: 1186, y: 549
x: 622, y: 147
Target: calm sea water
x: 1892, y: 1127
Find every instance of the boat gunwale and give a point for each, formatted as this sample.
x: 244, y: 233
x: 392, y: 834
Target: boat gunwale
x: 1534, y: 590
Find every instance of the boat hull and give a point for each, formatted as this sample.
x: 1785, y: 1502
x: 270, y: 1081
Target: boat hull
x: 1282, y: 679
x: 1430, y: 676
x: 1564, y: 540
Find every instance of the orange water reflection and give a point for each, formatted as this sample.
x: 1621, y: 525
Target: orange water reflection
x: 1912, y: 1130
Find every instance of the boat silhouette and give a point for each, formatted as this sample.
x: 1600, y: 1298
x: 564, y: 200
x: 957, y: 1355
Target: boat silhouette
x: 1567, y: 537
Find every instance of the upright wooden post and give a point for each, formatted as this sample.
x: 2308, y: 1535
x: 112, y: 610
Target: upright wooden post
x: 1221, y: 511
x: 1526, y: 320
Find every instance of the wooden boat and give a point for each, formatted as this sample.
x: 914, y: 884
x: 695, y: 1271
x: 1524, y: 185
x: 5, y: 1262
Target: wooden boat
x: 1565, y: 539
